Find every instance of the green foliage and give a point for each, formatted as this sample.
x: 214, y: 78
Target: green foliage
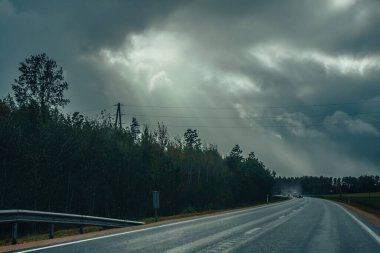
x: 40, y: 84
x: 236, y: 153
x: 135, y: 129
x: 328, y: 185
x: 69, y: 163
x: 191, y: 139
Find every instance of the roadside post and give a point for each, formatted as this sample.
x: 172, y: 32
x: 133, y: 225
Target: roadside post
x: 14, y: 233
x: 267, y: 198
x: 156, y: 202
x: 51, y: 231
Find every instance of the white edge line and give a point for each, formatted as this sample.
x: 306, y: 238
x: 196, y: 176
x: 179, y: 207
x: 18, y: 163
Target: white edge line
x: 144, y: 229
x: 365, y: 227
x: 252, y: 231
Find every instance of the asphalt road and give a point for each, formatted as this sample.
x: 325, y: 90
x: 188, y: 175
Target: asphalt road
x: 298, y: 225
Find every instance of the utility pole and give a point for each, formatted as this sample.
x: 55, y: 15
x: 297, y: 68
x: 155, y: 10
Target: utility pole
x: 118, y: 116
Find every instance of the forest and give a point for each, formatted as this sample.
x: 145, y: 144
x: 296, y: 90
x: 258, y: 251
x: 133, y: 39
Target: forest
x: 52, y: 161
x: 321, y: 185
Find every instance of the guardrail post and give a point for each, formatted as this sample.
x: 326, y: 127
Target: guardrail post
x: 51, y: 231
x: 14, y: 233
x: 15, y: 217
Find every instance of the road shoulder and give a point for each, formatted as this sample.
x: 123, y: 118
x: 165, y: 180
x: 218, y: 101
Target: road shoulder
x: 373, y: 219
x: 48, y: 242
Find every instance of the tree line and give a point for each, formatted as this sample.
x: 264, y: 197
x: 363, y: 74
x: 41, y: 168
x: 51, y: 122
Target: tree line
x: 51, y: 161
x: 327, y: 185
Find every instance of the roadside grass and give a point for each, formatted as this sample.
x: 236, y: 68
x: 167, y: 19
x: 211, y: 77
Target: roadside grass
x: 63, y: 232
x: 369, y: 202
x: 363, y: 194
x: 60, y: 232
x: 200, y: 213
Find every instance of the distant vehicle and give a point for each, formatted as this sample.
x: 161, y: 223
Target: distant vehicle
x: 297, y: 195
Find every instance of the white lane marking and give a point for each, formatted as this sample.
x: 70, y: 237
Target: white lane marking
x: 221, y: 239
x: 252, y: 231
x: 254, y: 234
x: 281, y: 217
x: 146, y: 229
x: 370, y: 231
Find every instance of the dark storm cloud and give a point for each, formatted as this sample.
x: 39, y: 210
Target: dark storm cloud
x: 66, y: 30
x: 299, y: 80
x: 96, y: 23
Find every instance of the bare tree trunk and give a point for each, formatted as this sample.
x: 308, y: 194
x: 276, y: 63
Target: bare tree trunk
x: 190, y: 172
x: 92, y: 207
x: 207, y: 174
x: 199, y: 174
x: 2, y: 184
x: 68, y: 191
x: 107, y: 209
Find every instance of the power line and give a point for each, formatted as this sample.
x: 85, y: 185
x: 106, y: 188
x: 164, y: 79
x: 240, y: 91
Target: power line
x: 317, y: 124
x: 248, y: 117
x: 270, y: 106
x: 314, y: 125
x: 257, y: 117
x: 246, y: 107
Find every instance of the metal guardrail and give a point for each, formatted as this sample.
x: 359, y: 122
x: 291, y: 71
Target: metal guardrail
x: 19, y: 216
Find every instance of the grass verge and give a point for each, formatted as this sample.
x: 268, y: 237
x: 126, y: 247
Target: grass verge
x: 196, y: 213
x: 60, y: 232
x: 369, y: 202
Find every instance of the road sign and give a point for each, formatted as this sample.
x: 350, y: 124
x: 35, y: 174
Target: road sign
x: 156, y: 199
x: 156, y: 202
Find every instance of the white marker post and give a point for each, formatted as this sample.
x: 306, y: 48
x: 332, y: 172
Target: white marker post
x: 156, y: 202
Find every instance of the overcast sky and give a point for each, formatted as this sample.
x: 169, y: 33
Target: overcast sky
x: 297, y: 82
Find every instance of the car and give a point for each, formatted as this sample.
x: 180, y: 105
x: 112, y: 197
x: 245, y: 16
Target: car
x: 297, y: 195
